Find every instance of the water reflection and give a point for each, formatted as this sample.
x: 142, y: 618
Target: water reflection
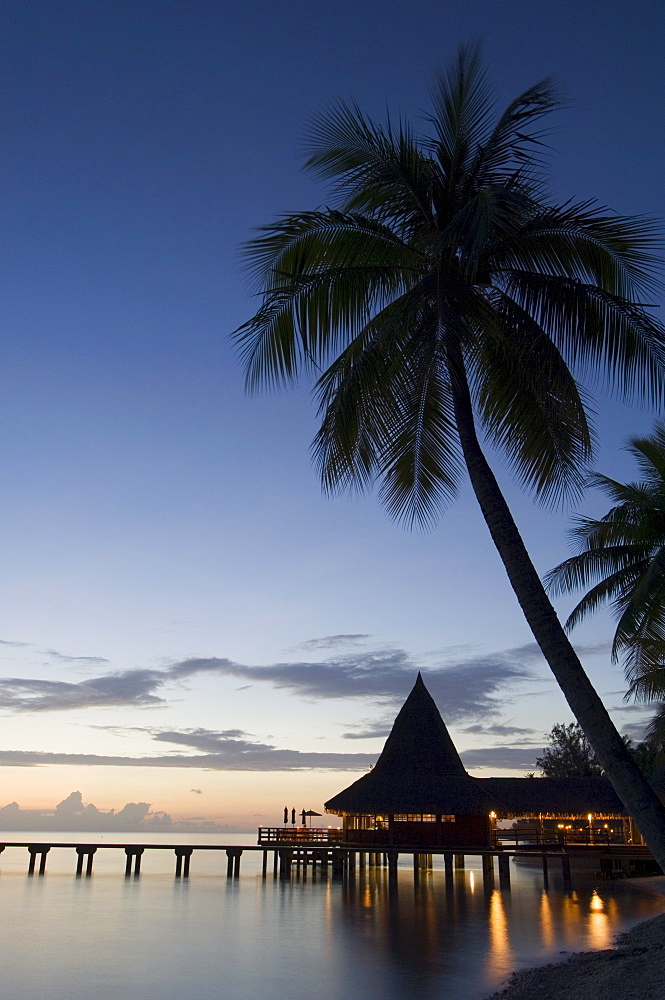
x: 159, y: 939
x: 499, y: 954
x: 442, y: 934
x: 546, y: 920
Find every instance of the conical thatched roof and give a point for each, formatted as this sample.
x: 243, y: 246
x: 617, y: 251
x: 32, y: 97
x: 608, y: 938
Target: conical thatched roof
x: 419, y: 770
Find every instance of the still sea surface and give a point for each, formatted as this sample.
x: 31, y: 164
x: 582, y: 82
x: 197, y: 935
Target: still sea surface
x: 208, y: 938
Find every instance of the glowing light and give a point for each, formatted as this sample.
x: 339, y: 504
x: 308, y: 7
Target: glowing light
x: 596, y: 902
x: 472, y: 882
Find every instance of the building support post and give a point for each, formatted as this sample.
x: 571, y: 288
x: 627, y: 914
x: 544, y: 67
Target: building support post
x: 459, y: 861
x: 488, y: 872
x: 504, y: 871
x: 565, y: 871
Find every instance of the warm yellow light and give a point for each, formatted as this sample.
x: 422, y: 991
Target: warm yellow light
x: 596, y: 902
x: 589, y: 817
x: 492, y: 815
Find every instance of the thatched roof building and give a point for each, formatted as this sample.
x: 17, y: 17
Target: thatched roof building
x: 419, y: 770
x: 419, y: 791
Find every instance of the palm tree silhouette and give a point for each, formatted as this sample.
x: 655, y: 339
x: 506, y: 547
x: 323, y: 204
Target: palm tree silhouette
x: 444, y: 293
x: 622, y: 561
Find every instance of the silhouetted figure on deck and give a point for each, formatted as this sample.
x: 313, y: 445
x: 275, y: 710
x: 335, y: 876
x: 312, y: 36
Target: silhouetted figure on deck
x: 293, y: 816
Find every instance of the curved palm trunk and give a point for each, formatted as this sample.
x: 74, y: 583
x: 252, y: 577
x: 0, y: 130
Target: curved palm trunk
x: 627, y: 780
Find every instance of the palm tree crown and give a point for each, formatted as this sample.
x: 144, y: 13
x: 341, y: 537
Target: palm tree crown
x: 623, y: 555
x: 444, y: 292
x: 442, y: 265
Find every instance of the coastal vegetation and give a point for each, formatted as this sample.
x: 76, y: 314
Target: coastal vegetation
x: 569, y: 754
x: 444, y: 297
x: 621, y: 559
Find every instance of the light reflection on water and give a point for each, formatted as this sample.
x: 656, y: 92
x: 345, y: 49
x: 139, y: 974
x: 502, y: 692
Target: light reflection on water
x: 155, y: 938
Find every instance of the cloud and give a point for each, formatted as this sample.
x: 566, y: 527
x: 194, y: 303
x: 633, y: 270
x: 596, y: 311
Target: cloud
x: 231, y: 755
x: 370, y: 731
x: 65, y: 658
x: 197, y: 791
x: 72, y: 814
x: 466, y: 686
x: 8, y: 642
x: 131, y: 687
x: 497, y: 730
x: 333, y: 641
x: 636, y: 731
x: 644, y: 709
x: 498, y: 758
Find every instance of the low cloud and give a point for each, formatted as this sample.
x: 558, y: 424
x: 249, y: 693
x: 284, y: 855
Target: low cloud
x: 73, y: 815
x: 231, y: 755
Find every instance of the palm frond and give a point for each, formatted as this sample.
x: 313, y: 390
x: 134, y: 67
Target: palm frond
x: 600, y: 334
x: 531, y: 406
x: 462, y: 102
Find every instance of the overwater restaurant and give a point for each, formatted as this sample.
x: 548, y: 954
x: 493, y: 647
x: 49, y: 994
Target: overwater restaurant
x: 420, y: 795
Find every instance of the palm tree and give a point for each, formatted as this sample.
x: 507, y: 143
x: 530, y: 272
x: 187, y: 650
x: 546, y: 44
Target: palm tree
x: 623, y: 555
x: 443, y: 294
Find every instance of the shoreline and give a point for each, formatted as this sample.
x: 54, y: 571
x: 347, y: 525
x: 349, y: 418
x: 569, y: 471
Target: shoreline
x: 633, y: 969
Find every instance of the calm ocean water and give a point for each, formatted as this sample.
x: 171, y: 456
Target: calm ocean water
x: 206, y: 938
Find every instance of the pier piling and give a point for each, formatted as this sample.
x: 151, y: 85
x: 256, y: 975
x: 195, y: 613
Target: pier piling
x: 84, y: 852
x: 133, y: 858
x: 504, y: 871
x: 488, y: 872
x: 182, y: 858
x: 233, y: 864
x: 42, y: 850
x: 565, y: 871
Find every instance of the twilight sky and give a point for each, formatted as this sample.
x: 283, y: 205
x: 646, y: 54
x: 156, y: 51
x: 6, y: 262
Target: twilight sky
x: 186, y: 622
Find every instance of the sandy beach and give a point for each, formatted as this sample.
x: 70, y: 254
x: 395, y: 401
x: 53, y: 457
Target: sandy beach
x: 633, y: 970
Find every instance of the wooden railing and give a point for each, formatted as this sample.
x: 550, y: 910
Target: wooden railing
x: 299, y: 835
x: 527, y: 835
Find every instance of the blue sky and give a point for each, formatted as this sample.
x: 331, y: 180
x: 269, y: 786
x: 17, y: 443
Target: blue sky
x: 153, y: 515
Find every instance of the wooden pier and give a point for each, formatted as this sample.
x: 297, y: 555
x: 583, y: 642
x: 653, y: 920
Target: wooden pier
x: 325, y: 857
